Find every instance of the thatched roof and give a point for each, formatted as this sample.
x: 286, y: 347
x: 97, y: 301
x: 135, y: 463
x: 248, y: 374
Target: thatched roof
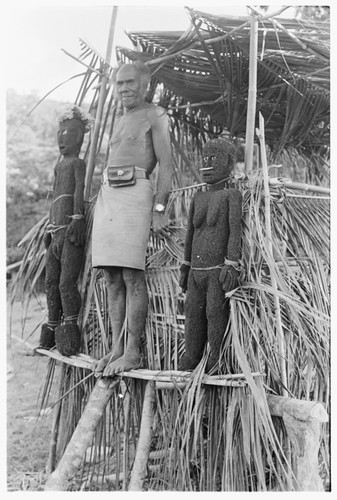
x: 208, y: 67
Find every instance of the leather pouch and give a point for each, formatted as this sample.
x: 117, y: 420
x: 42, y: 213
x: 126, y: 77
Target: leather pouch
x: 121, y: 176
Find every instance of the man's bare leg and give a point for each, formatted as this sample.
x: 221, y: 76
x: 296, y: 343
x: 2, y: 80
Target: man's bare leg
x: 137, y: 302
x: 117, y: 308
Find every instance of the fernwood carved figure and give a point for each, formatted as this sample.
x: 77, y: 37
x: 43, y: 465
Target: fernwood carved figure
x: 65, y: 235
x: 212, y: 252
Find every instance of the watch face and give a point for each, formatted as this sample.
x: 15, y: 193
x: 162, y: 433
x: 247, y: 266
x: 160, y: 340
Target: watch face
x: 159, y: 207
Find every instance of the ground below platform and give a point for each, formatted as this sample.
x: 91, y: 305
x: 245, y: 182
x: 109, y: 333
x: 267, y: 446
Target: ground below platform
x: 28, y: 437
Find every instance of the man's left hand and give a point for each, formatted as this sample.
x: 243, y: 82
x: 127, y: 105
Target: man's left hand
x: 160, y: 221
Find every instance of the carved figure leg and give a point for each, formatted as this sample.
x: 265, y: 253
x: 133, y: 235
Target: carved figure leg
x: 54, y: 304
x: 116, y: 290
x: 217, y: 311
x: 136, y: 305
x: 195, y: 321
x: 68, y: 335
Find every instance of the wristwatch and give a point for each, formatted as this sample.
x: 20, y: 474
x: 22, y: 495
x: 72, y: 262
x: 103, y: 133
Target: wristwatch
x: 158, y: 207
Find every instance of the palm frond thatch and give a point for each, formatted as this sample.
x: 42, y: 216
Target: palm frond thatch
x: 293, y: 78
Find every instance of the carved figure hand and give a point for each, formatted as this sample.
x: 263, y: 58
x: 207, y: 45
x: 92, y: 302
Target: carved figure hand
x: 76, y: 232
x: 46, y: 239
x: 184, y: 272
x: 229, y: 278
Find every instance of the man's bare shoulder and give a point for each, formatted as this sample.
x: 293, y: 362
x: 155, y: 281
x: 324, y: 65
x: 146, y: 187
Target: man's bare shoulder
x: 155, y: 113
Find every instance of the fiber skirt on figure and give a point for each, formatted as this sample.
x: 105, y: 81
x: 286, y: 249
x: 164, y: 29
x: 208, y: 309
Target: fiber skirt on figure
x: 121, y: 224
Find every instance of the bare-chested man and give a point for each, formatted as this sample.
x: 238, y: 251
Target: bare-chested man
x: 124, y: 213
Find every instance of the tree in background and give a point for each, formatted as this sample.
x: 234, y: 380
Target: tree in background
x: 31, y: 155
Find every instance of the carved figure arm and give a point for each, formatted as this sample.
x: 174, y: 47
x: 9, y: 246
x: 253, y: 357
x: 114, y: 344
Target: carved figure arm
x: 186, y: 265
x: 76, y: 229
x: 229, y: 274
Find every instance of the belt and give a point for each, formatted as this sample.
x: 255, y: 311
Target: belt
x: 142, y: 174
x: 139, y: 173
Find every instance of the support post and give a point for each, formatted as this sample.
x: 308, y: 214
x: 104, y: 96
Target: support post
x: 269, y: 246
x: 56, y: 422
x: 302, y: 422
x: 251, y: 103
x: 101, y: 100
x: 82, y: 436
x: 139, y: 469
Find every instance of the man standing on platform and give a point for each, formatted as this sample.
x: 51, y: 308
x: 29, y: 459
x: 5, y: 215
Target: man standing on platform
x: 125, y: 209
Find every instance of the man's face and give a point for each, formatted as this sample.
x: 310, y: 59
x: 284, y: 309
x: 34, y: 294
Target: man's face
x: 70, y: 137
x: 215, y: 166
x: 128, y: 86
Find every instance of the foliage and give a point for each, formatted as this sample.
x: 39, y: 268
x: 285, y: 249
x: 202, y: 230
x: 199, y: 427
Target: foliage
x: 31, y: 155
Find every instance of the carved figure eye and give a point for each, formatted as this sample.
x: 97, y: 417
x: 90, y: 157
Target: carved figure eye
x: 212, y: 157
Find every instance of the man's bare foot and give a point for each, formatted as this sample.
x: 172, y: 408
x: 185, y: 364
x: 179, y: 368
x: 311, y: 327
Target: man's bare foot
x: 124, y: 363
x: 100, y: 364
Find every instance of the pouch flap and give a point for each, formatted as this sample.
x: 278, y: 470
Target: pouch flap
x: 121, y: 173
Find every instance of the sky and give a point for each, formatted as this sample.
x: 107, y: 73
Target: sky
x: 36, y: 33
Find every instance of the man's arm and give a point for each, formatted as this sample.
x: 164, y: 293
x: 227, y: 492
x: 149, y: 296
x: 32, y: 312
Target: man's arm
x: 162, y: 146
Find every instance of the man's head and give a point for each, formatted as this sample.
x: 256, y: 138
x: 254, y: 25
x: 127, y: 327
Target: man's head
x: 131, y: 81
x: 218, y: 160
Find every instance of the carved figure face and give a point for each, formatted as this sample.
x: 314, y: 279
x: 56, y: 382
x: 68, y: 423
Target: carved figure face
x: 70, y: 137
x: 218, y: 160
x: 129, y: 86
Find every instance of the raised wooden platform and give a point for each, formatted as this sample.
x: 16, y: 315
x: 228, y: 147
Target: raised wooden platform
x: 168, y: 379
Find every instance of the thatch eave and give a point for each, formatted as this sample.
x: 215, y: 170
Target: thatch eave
x: 210, y: 63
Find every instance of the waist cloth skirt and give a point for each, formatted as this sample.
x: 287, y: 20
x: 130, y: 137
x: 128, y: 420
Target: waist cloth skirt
x: 121, y: 225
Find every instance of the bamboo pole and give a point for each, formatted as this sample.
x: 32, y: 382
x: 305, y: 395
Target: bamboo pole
x: 139, y: 469
x: 251, y: 104
x: 56, y: 422
x: 101, y: 100
x: 82, y: 436
x: 288, y: 183
x: 269, y: 243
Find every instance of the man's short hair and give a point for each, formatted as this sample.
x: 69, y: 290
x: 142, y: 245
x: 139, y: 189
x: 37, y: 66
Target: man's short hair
x: 143, y: 71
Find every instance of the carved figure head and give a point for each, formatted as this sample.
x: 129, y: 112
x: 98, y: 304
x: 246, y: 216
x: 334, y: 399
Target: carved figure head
x: 131, y: 81
x: 74, y: 122
x: 70, y: 137
x: 218, y: 160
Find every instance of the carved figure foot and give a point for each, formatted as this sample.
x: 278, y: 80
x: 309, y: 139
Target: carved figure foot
x: 187, y: 363
x: 68, y: 339
x: 212, y: 364
x: 129, y: 361
x: 47, y: 337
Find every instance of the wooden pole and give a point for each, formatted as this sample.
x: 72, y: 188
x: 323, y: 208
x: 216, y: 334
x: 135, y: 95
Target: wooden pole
x: 139, y: 469
x: 56, y: 422
x: 302, y: 421
x: 251, y: 104
x: 269, y: 244
x: 82, y: 436
x: 101, y: 100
